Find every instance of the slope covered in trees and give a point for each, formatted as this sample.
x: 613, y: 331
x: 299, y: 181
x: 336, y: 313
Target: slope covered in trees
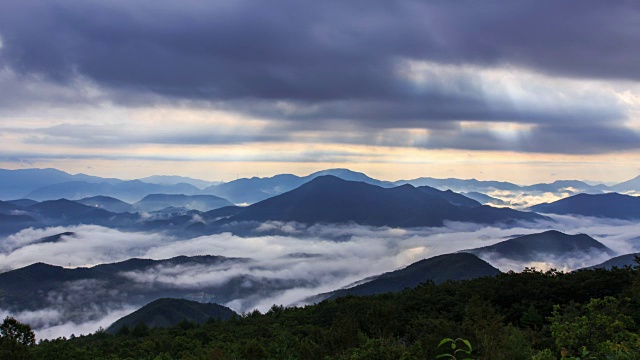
x: 512, y: 316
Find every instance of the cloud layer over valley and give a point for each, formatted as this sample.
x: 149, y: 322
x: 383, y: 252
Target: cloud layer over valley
x: 283, y: 269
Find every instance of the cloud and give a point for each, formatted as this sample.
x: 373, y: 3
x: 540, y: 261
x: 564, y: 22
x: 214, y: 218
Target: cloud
x: 288, y: 49
x: 313, y: 74
x: 283, y: 269
x: 52, y: 324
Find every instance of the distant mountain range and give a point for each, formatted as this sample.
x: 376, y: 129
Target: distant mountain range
x: 51, y: 184
x: 174, y: 180
x: 155, y: 202
x: 325, y: 199
x: 169, y: 312
x: 611, y: 205
x: 16, y: 184
x: 328, y: 199
x: 107, y: 203
x: 542, y: 246
x: 129, y: 191
x: 248, y: 191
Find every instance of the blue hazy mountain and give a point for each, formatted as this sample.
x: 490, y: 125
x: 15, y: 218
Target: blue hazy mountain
x: 67, y: 212
x: 484, y: 199
x: 168, y: 312
x: 19, y: 183
x: 458, y: 266
x: 480, y: 186
x: 15, y: 184
x: 574, y: 186
x: 540, y: 246
x: 9, y: 208
x: 155, y: 202
x: 255, y: 189
x: 450, y: 196
x: 610, y: 205
x: 22, y: 202
x: 174, y: 180
x: 328, y: 199
x: 460, y: 184
x: 618, y: 261
x: 10, y: 224
x: 629, y: 185
x: 129, y: 191
x: 107, y: 203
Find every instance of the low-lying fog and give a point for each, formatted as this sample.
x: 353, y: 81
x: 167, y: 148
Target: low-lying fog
x: 319, y: 258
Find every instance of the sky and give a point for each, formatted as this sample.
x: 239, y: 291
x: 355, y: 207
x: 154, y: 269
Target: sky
x: 523, y: 91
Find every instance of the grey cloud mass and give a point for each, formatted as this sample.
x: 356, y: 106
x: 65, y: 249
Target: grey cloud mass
x: 311, y: 65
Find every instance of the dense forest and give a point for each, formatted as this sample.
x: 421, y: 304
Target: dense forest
x: 587, y: 314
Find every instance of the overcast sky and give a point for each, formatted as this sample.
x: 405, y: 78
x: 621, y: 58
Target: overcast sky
x: 524, y: 91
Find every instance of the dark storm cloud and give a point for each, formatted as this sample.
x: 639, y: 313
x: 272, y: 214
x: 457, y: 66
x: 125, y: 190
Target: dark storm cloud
x: 331, y: 61
x: 288, y: 49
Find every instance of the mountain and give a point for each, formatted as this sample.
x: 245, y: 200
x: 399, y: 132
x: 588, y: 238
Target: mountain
x: 540, y: 246
x: 458, y: 266
x: 629, y: 185
x: 574, y: 186
x: 479, y: 186
x: 22, y: 202
x: 460, y: 184
x: 169, y: 312
x: 611, y: 205
x: 618, y: 261
x: 253, y: 190
x: 15, y: 184
x: 55, y: 238
x: 10, y: 224
x: 328, y: 199
x: 156, y: 202
x: 129, y: 191
x: 107, y: 203
x: 31, y: 287
x: 67, y: 212
x: 485, y: 199
x: 450, y: 196
x: 9, y: 208
x: 174, y: 180
x: 349, y: 175
x: 223, y: 212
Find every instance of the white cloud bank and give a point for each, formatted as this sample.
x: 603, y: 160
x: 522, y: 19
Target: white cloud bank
x: 312, y: 259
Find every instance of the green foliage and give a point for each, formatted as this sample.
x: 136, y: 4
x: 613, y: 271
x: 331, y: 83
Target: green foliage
x: 15, y: 339
x: 599, y: 326
x: 460, y: 349
x: 529, y: 315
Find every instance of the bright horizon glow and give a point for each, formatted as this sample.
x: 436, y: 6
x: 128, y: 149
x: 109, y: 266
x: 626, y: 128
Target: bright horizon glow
x: 516, y: 168
x: 394, y: 97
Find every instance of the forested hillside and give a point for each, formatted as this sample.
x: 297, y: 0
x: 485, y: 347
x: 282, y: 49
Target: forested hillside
x: 533, y: 314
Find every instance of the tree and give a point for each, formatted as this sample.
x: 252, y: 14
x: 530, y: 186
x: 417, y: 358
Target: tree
x: 13, y: 330
x: 15, y: 339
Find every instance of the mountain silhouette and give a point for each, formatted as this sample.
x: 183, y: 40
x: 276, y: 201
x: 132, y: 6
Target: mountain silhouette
x: 328, y: 199
x: 168, y: 312
x: 537, y: 247
x: 457, y: 266
x: 611, y: 205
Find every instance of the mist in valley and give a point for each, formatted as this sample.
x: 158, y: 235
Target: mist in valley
x: 300, y: 262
